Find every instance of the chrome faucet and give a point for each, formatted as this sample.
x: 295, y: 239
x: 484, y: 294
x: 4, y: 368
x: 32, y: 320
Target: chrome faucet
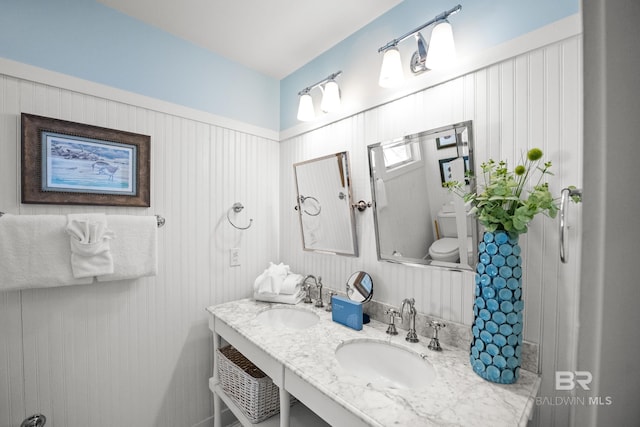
x: 411, y: 335
x: 319, y: 302
x: 307, y: 288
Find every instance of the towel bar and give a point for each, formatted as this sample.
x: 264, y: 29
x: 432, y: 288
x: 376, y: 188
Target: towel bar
x: 159, y: 218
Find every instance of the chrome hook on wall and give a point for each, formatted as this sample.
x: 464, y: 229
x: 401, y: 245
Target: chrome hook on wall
x: 237, y: 208
x: 576, y: 195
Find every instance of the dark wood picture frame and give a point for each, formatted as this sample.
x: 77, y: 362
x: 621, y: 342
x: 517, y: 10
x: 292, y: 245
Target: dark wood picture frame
x: 446, y: 141
x: 444, y: 169
x: 57, y: 153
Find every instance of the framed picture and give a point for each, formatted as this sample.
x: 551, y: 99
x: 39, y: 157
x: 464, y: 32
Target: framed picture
x: 445, y: 169
x: 446, y: 141
x: 76, y: 164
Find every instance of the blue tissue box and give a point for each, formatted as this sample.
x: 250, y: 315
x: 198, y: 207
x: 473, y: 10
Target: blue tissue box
x: 346, y: 312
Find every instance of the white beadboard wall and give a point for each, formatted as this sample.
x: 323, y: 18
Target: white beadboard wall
x: 136, y: 352
x: 532, y: 100
x: 139, y: 353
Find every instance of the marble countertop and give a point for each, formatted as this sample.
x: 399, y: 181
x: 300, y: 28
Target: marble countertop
x: 456, y: 397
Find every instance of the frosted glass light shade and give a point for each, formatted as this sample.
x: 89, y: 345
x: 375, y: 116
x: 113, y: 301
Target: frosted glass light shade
x: 442, y: 49
x: 305, y: 108
x: 391, y: 73
x: 330, y: 97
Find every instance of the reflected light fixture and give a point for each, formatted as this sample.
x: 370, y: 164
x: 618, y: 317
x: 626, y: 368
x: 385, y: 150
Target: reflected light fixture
x: 330, y: 98
x: 438, y: 53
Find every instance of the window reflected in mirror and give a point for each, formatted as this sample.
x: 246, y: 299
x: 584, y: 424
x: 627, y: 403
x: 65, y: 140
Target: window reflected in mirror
x: 417, y: 220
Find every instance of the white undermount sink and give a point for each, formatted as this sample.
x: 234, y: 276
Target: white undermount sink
x: 288, y: 317
x: 386, y: 365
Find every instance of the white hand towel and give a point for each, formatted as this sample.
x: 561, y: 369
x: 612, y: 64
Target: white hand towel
x: 277, y: 273
x: 90, y: 250
x: 135, y: 250
x: 35, y: 252
x: 279, y: 298
x: 270, y: 281
x: 291, y: 284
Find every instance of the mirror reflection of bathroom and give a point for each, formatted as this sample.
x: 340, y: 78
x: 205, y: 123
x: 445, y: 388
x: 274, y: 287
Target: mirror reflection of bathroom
x: 323, y: 202
x: 360, y: 287
x: 417, y: 220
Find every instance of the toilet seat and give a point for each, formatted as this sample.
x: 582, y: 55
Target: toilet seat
x: 446, y: 249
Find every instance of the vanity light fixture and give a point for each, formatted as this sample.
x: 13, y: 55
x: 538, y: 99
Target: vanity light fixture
x: 439, y: 53
x: 330, y: 98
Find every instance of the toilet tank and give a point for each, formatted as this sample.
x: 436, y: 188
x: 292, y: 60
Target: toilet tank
x: 447, y: 224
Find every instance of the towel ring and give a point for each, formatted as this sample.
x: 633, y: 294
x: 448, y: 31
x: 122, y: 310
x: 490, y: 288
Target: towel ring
x: 237, y: 207
x: 304, y: 199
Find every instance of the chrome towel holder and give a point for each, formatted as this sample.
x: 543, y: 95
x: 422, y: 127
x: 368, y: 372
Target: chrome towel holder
x: 566, y: 194
x: 159, y: 220
x: 237, y: 208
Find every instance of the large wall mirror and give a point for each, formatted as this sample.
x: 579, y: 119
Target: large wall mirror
x: 324, y: 205
x: 417, y: 220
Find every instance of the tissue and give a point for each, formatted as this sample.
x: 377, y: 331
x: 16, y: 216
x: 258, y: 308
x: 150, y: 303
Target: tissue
x: 346, y: 312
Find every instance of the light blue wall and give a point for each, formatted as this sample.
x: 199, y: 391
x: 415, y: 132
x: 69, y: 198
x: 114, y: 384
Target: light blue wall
x: 480, y: 25
x: 86, y: 39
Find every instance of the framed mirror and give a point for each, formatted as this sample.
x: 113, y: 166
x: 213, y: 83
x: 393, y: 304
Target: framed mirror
x: 417, y: 220
x: 360, y: 287
x: 323, y: 203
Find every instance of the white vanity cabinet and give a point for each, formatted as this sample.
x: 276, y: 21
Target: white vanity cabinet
x: 298, y: 415
x: 303, y: 363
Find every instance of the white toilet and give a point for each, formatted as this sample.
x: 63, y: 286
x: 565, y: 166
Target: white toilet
x: 446, y: 248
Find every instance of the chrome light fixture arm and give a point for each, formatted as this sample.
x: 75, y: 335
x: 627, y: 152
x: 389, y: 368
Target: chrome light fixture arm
x: 440, y: 17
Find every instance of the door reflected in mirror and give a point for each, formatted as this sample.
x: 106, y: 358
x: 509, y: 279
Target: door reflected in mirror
x: 324, y: 203
x: 417, y: 220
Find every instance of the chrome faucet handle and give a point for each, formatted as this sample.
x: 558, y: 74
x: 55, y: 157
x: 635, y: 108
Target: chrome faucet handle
x: 330, y: 306
x: 393, y: 315
x: 319, y: 302
x: 434, y: 344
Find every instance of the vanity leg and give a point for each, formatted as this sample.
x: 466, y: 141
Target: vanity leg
x: 284, y: 407
x: 217, y: 420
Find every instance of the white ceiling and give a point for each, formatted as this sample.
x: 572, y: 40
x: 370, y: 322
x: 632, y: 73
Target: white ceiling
x: 274, y: 37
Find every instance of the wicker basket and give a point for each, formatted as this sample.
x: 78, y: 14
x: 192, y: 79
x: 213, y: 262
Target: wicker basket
x: 250, y: 388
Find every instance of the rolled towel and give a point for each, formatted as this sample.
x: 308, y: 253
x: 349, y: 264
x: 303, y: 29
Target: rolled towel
x: 291, y: 284
x: 90, y: 250
x: 271, y: 280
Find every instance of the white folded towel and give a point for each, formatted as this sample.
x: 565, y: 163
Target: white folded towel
x: 90, y: 250
x: 135, y: 250
x: 271, y: 280
x: 279, y: 298
x: 35, y: 252
x: 291, y: 284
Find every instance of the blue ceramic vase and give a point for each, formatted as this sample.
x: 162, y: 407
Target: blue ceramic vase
x: 497, y: 328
